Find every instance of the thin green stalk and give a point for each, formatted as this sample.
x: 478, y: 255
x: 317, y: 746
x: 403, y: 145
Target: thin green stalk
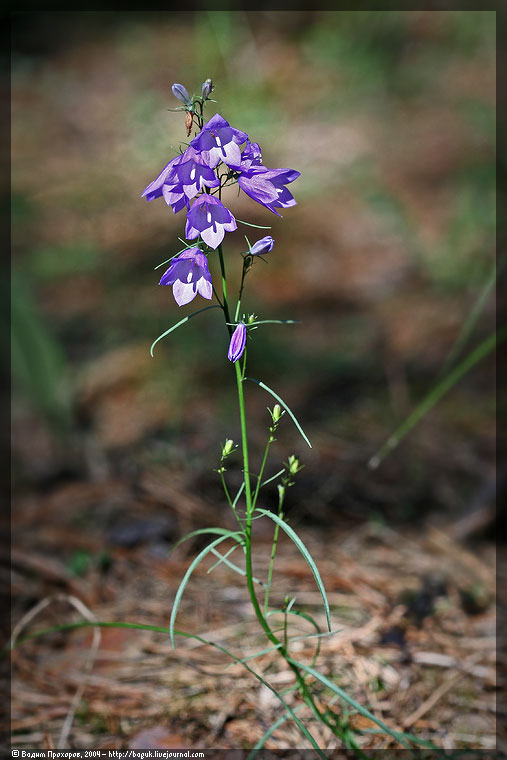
x: 261, y: 471
x: 281, y: 499
x: 244, y: 443
x: 243, y: 274
x: 224, y: 289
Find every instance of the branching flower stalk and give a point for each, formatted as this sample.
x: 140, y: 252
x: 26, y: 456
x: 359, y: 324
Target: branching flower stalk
x: 218, y: 156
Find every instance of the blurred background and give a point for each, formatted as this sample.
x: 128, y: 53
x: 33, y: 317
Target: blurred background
x: 387, y: 260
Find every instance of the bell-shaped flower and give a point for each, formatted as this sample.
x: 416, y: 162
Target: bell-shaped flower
x: 218, y: 141
x: 237, y: 344
x: 189, y: 275
x: 267, y: 186
x: 154, y: 189
x: 193, y: 174
x: 262, y: 246
x: 251, y: 157
x: 209, y: 218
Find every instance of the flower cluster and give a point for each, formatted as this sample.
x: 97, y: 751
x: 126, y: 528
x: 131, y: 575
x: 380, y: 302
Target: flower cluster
x: 218, y: 156
x: 193, y: 177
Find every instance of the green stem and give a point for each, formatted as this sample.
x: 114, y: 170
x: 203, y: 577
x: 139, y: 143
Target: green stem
x: 224, y: 289
x: 261, y: 472
x: 245, y: 270
x: 281, y: 499
x: 244, y: 443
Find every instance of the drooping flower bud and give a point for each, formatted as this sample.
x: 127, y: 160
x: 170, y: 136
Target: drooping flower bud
x: 264, y: 245
x: 237, y: 344
x: 181, y: 93
x: 207, y: 86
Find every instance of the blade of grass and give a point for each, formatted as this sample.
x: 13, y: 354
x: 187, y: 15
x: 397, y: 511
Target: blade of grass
x: 271, y: 730
x: 472, y: 318
x: 435, y: 395
x: 350, y: 700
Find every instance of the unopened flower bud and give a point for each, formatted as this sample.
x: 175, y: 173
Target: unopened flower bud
x: 264, y: 245
x: 276, y: 413
x: 181, y: 93
x: 207, y: 86
x: 293, y: 463
x: 228, y: 447
x: 238, y: 342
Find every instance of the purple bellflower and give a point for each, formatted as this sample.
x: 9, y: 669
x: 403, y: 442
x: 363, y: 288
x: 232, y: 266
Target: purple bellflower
x: 251, y: 157
x: 267, y: 186
x: 154, y: 189
x: 237, y: 344
x: 169, y: 186
x: 218, y: 141
x: 189, y: 275
x: 264, y: 245
x: 209, y: 218
x: 193, y: 174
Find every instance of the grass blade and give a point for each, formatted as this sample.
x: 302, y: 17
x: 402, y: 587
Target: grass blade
x: 186, y: 577
x: 350, y: 700
x: 306, y: 554
x: 482, y: 350
x: 271, y: 730
x: 282, y: 403
x: 472, y: 318
x: 178, y: 324
x: 161, y: 629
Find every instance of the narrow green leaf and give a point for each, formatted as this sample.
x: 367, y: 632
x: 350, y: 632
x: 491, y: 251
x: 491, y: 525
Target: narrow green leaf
x: 350, y: 700
x: 174, y: 256
x: 306, y: 554
x: 236, y: 498
x: 183, y: 634
x: 275, y: 322
x: 409, y: 737
x: 306, y: 616
x: 269, y: 480
x: 436, y: 394
x: 186, y: 577
x: 473, y: 316
x: 282, y: 403
x: 271, y: 730
x: 223, y: 559
x: 203, y: 532
x: 249, y: 224
x: 178, y: 324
